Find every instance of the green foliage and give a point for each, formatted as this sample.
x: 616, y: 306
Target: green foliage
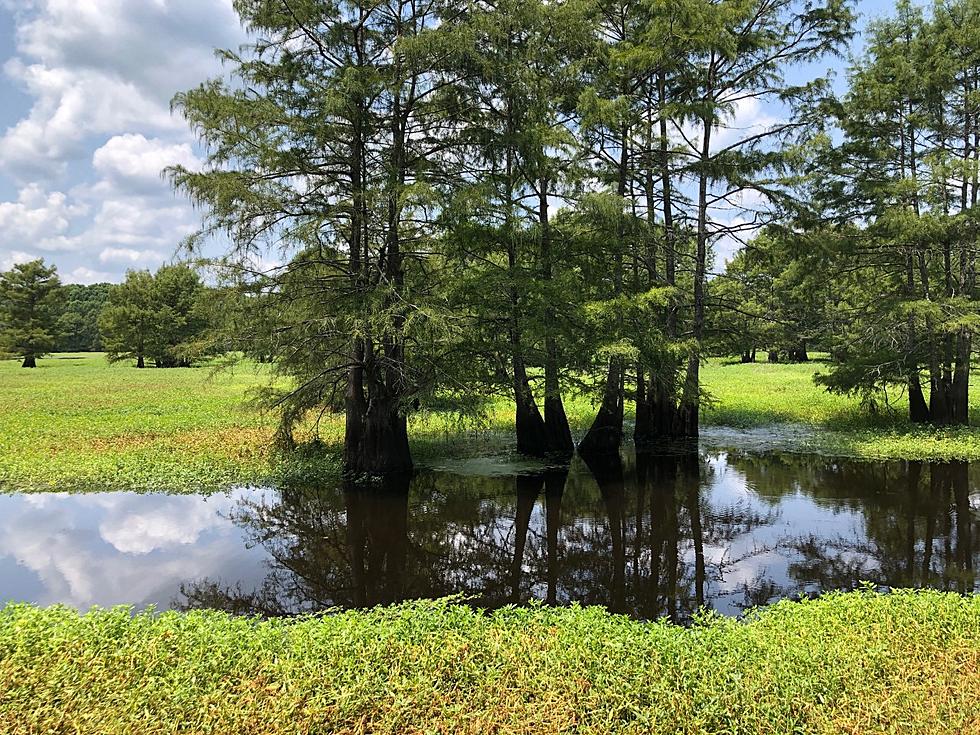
x: 78, y: 322
x: 160, y: 317
x: 905, y: 662
x: 30, y: 296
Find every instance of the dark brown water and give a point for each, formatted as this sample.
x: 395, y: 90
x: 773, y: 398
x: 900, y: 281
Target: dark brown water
x: 649, y: 536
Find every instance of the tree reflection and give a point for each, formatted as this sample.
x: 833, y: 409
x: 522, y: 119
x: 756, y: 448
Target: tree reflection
x: 648, y: 535
x: 918, y: 528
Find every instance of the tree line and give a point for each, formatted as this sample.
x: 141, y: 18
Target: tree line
x: 164, y: 317
x: 421, y: 204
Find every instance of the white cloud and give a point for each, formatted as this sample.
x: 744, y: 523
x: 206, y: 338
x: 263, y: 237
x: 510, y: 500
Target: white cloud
x: 128, y: 255
x: 87, y: 149
x: 103, y: 66
x: 13, y: 258
x: 85, y: 276
x: 117, y: 548
x: 133, y: 160
x: 36, y: 214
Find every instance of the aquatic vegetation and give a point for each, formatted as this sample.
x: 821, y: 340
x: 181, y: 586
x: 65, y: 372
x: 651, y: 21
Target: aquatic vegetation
x: 78, y: 423
x: 907, y: 662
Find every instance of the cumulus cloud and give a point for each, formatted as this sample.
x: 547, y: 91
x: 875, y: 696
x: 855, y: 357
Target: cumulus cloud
x: 84, y: 157
x: 133, y: 161
x: 36, y: 214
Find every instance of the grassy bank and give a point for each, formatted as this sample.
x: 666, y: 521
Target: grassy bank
x: 847, y: 663
x: 77, y: 423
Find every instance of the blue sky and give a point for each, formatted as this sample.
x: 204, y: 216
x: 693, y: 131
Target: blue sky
x: 85, y: 87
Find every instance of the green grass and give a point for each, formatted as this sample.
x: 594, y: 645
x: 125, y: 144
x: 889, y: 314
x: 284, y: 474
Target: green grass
x: 78, y: 423
x: 807, y: 418
x: 906, y: 662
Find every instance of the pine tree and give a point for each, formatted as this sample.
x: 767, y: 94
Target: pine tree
x: 30, y: 296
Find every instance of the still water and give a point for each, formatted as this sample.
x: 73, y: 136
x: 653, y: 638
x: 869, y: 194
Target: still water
x: 649, y: 536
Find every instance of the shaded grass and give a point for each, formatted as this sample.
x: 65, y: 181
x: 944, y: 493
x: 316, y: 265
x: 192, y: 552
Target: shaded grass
x: 907, y: 662
x: 78, y: 423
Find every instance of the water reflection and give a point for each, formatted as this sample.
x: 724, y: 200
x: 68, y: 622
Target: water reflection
x: 650, y: 536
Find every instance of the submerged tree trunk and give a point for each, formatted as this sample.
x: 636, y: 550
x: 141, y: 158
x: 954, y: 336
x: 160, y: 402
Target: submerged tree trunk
x: 528, y: 489
x: 554, y: 488
x: 606, y: 433
x: 608, y: 473
x: 918, y: 409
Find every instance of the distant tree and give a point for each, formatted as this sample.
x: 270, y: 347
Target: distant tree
x: 180, y: 316
x: 29, y: 297
x: 157, y: 317
x: 128, y: 320
x: 78, y: 322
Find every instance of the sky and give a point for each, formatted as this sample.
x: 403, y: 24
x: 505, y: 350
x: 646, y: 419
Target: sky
x: 85, y: 90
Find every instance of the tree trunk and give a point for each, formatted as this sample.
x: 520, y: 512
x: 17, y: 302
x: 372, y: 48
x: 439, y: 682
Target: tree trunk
x: 918, y: 410
x: 30, y: 361
x: 140, y: 361
x: 532, y: 436
x: 960, y: 393
x: 606, y: 433
x: 691, y: 396
x: 385, y: 449
x: 642, y: 429
x: 558, y: 433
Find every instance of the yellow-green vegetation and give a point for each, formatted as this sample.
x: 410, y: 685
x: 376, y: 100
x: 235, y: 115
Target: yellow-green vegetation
x: 906, y: 662
x: 77, y: 422
x: 807, y: 418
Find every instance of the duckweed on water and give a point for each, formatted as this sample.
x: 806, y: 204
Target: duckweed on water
x: 907, y: 662
x: 78, y: 423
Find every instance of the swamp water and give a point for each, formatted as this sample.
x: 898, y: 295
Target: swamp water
x: 650, y: 536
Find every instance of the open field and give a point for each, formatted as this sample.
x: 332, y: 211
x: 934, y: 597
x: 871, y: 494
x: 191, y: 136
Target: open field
x: 860, y: 662
x: 77, y: 422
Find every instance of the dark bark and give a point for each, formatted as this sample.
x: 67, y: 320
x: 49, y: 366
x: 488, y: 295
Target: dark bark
x: 606, y: 433
x: 558, y: 433
x: 799, y: 353
x: 384, y: 448
x: 140, y: 361
x: 605, y: 436
x: 918, y: 409
x: 688, y: 413
x: 29, y: 361
x: 530, y: 428
x: 960, y: 389
x: 773, y: 356
x: 642, y: 429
